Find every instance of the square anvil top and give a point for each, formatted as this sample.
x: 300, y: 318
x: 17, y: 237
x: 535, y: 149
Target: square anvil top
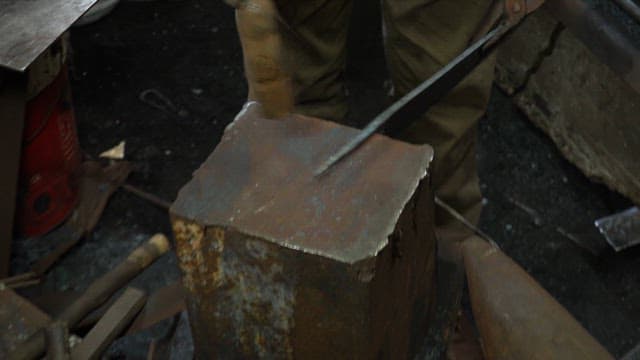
x: 28, y: 27
x: 259, y: 181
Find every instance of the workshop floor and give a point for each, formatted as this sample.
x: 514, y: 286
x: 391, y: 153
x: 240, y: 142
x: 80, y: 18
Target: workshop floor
x: 188, y: 51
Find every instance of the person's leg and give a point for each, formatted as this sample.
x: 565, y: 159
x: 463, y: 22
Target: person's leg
x: 420, y: 37
x: 314, y: 36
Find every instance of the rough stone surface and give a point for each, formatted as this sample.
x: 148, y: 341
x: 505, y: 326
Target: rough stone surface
x: 280, y: 264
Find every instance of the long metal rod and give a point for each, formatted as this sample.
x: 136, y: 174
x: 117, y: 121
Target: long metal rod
x: 419, y: 99
x: 446, y: 207
x: 630, y: 7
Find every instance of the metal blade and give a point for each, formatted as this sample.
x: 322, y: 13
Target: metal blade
x: 420, y: 99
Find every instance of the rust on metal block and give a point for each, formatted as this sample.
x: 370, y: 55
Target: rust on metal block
x: 278, y: 263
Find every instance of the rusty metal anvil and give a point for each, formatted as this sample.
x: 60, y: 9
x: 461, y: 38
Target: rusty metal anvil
x: 281, y: 264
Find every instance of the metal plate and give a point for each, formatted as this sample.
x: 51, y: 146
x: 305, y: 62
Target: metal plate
x: 18, y: 320
x: 260, y: 180
x: 28, y: 27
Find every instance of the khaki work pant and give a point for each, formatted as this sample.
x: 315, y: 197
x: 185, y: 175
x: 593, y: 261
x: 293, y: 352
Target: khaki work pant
x: 420, y: 36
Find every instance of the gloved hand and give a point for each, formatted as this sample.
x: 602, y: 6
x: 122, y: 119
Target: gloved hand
x: 259, y: 33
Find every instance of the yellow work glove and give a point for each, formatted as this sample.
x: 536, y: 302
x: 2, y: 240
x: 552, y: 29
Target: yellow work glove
x: 262, y: 49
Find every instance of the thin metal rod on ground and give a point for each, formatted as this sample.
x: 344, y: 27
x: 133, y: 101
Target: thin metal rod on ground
x: 18, y: 278
x: 23, y: 284
x: 465, y: 222
x: 96, y: 294
x: 630, y: 7
x: 155, y: 200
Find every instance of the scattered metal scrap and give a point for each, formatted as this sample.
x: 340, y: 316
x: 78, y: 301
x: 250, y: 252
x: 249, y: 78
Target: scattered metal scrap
x: 115, y: 153
x: 622, y: 230
x: 96, y: 294
x: 153, y: 199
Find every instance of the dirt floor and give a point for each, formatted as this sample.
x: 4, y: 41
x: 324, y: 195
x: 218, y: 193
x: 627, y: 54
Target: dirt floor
x: 188, y: 51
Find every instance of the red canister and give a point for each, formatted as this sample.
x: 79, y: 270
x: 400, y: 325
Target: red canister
x: 50, y: 159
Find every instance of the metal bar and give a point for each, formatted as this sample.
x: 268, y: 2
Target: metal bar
x: 446, y: 207
x: 418, y: 100
x: 18, y: 278
x: 601, y: 37
x: 112, y: 324
x: 153, y: 199
x: 57, y: 335
x: 630, y: 7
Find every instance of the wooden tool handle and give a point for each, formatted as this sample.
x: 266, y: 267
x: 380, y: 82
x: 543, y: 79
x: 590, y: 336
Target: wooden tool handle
x: 97, y: 293
x: 263, y: 61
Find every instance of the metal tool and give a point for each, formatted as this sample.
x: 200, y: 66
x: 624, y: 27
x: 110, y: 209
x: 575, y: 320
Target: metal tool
x: 402, y: 112
x: 96, y: 294
x: 511, y: 309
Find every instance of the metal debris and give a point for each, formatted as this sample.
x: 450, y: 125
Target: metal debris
x: 622, y: 230
x: 97, y: 293
x: 115, y: 153
x: 110, y: 325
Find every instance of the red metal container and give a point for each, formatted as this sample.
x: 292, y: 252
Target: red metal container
x: 50, y: 159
